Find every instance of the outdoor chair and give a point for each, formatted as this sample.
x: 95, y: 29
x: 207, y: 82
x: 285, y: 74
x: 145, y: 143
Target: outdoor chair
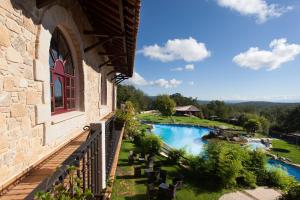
x: 142, y: 157
x: 138, y: 171
x: 153, y: 177
x: 130, y: 159
x: 157, y: 167
x: 150, y: 164
x: 167, y: 193
x: 151, y: 191
x: 171, y: 192
x: 163, y: 176
x: 178, y: 181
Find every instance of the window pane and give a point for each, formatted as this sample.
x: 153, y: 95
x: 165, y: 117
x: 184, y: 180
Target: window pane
x: 58, y: 93
x: 51, y: 91
x: 68, y: 93
x: 69, y: 104
x: 73, y: 93
x: 67, y: 81
x: 73, y: 104
x: 52, y: 106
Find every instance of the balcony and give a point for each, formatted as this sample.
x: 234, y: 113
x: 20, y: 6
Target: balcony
x: 94, y: 153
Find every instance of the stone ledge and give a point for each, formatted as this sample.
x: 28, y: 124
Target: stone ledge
x: 43, y: 113
x: 65, y: 116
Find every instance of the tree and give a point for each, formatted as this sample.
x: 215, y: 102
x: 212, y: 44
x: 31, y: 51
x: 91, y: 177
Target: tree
x: 252, y: 125
x: 165, y: 105
x: 265, y: 125
x: 218, y: 108
x: 292, y: 121
x: 138, y: 98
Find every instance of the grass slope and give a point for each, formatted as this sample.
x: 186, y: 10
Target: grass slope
x: 186, y: 120
x: 128, y: 187
x: 285, y: 149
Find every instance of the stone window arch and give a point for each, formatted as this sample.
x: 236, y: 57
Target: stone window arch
x: 62, y: 75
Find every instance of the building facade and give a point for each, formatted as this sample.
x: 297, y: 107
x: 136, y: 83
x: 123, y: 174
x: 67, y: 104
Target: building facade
x: 59, y: 68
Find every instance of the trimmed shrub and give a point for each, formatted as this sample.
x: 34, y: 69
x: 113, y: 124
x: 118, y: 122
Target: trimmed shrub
x: 280, y: 178
x: 151, y: 144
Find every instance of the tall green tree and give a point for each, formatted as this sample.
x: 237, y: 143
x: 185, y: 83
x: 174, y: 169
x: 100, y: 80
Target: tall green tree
x: 139, y: 99
x: 252, y: 126
x: 165, y: 105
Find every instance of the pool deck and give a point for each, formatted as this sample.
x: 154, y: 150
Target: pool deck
x: 260, y: 193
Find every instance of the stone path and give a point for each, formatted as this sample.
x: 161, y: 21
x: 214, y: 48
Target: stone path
x: 260, y: 193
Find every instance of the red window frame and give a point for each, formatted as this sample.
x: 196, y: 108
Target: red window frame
x: 61, y: 67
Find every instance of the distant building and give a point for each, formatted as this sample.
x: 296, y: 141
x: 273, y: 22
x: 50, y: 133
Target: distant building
x: 187, y: 110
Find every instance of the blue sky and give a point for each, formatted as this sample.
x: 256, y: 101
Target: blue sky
x: 220, y: 49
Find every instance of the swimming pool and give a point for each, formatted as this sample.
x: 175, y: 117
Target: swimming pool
x: 182, y: 136
x: 190, y: 138
x: 292, y: 170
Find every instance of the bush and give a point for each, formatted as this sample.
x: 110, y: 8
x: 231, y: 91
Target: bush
x: 127, y: 116
x: 248, y: 179
x: 139, y: 137
x: 175, y: 155
x: 71, y: 190
x: 292, y: 194
x: 151, y: 143
x: 280, y: 178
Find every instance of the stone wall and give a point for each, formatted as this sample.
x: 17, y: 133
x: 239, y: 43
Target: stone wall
x: 28, y: 132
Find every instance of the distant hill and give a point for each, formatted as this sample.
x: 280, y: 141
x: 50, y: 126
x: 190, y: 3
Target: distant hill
x: 266, y: 104
x: 261, y: 104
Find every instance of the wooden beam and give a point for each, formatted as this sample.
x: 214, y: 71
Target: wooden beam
x: 121, y: 10
x: 110, y: 54
x: 43, y: 3
x: 93, y: 33
x: 112, y: 65
x: 108, y: 61
x: 109, y: 73
x: 99, y: 43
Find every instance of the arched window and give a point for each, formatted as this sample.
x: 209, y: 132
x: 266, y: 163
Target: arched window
x: 62, y: 75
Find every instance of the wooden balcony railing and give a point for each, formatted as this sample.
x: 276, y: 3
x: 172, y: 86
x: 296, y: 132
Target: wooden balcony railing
x: 88, y: 161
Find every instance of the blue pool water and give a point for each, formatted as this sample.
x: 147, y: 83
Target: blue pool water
x: 292, y: 170
x: 189, y: 138
x: 181, y: 136
x: 256, y: 145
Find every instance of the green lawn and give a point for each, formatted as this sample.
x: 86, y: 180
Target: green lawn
x: 186, y: 120
x: 285, y: 149
x: 128, y: 187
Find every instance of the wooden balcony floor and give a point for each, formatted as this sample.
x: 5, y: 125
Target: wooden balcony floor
x: 46, y: 168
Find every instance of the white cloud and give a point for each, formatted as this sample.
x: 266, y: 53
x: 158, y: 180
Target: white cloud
x: 280, y: 52
x: 188, y: 50
x: 188, y: 67
x: 260, y: 9
x: 191, y: 83
x: 138, y: 80
x: 165, y: 83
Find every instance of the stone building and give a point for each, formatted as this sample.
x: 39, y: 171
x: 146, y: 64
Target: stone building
x: 60, y: 62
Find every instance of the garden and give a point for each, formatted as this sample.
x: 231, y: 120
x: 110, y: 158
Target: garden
x: 222, y: 167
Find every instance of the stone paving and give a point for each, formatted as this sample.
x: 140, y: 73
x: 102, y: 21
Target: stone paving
x: 260, y: 193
